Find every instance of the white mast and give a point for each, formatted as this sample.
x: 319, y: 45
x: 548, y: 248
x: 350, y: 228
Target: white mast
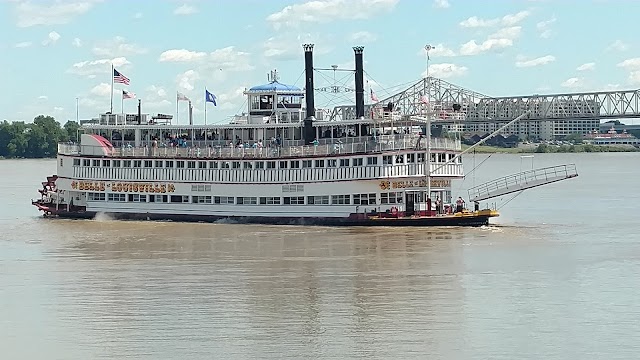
x: 427, y: 159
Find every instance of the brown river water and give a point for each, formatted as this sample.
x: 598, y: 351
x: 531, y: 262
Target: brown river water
x: 556, y: 277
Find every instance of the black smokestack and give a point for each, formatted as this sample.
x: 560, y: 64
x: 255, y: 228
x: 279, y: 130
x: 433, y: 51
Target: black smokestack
x: 139, y: 111
x: 309, y: 134
x: 359, y: 82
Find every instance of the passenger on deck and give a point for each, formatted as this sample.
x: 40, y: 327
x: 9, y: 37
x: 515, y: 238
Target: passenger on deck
x: 459, y: 204
x: 438, y: 205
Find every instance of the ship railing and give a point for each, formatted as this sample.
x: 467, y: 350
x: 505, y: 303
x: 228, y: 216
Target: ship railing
x: 263, y: 152
x: 522, y: 181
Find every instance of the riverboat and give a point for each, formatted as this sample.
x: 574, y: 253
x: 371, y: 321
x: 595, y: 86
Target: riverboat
x: 281, y: 163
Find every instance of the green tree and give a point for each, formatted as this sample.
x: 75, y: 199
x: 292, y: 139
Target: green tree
x: 71, y: 127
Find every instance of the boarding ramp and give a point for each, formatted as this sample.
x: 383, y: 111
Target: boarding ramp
x: 522, y: 181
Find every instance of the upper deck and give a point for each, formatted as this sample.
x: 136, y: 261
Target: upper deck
x: 204, y: 149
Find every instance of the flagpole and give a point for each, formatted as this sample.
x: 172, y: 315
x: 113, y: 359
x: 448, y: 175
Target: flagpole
x: 111, y: 108
x: 205, y: 105
x: 122, y: 102
x: 177, y: 103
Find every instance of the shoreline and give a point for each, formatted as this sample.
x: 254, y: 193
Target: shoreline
x: 550, y: 149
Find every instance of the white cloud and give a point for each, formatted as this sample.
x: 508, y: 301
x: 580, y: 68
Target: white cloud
x: 28, y: 13
x: 324, y: 11
x: 572, y: 83
x: 226, y: 59
x: 181, y: 55
x: 23, y: 44
x: 186, y: 81
x: 618, y: 45
x: 58, y: 108
x: 511, y: 33
x: 102, y: 89
x: 612, y: 87
x: 586, y: 66
x: 441, y: 4
x: 76, y: 42
x: 473, y: 48
x: 436, y: 51
x: 117, y: 47
x: 95, y: 67
x: 137, y: 15
x: 185, y: 9
x: 155, y: 99
x: 51, y: 39
x: 362, y: 37
x: 633, y: 66
x: 507, y: 20
x: 43, y: 97
x: 444, y: 71
x: 288, y: 46
x: 543, y: 60
x: 544, y: 27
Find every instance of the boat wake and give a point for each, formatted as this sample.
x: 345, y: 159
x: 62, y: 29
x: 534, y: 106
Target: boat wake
x: 102, y: 217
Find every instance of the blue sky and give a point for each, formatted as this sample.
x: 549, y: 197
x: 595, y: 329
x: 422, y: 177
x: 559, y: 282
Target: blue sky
x: 55, y: 51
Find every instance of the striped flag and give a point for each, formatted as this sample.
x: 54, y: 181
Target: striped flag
x: 119, y: 78
x: 128, y: 95
x: 181, y: 97
x: 374, y: 98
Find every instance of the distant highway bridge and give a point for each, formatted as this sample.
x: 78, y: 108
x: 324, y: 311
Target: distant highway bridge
x: 477, y: 107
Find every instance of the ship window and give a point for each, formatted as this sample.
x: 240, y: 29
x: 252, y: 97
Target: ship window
x: 95, y: 163
x: 117, y: 197
x: 292, y: 188
x: 158, y: 198
x: 97, y: 196
x: 222, y: 200
x: 179, y: 198
x: 269, y: 201
x: 399, y: 159
x: 236, y: 164
x: 158, y: 163
x: 271, y: 164
x: 106, y: 163
x: 137, y: 198
x: 420, y: 157
x: 213, y: 164
x: 391, y: 198
x: 126, y: 163
x: 201, y: 199
x: 168, y: 164
x: 180, y: 164
x: 191, y: 164
x: 86, y: 162
x: 372, y: 160
x: 202, y: 164
x: 201, y: 187
x: 345, y: 162
x: 224, y: 165
x: 364, y: 199
x: 283, y: 164
x: 76, y: 162
x: 357, y: 162
x: 411, y: 158
x: 148, y: 163
x: 247, y: 164
x: 294, y: 200
x: 318, y: 200
x: 306, y: 164
x: 319, y: 163
x: 117, y: 163
x: 332, y: 163
x: 137, y: 163
x: 259, y: 164
x: 246, y: 201
x: 340, y: 199
x: 387, y: 159
x: 295, y: 164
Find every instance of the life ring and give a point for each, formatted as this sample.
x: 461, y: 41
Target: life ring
x: 394, y: 211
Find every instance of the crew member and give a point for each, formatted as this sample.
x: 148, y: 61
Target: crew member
x: 459, y: 204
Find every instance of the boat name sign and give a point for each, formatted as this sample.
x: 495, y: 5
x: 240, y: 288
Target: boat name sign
x: 123, y: 187
x: 404, y: 184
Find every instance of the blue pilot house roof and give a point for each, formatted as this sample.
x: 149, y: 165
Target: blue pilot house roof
x: 278, y: 87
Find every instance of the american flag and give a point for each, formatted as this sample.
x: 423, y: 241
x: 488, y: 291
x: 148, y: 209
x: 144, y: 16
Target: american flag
x: 119, y: 78
x: 128, y: 95
x: 374, y: 98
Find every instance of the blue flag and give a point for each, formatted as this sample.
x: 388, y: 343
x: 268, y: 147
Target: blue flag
x: 209, y: 97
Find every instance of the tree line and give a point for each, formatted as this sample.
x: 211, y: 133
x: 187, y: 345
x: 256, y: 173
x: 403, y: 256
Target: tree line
x: 35, y: 140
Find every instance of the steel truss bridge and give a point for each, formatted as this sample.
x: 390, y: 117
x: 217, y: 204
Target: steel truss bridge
x: 478, y: 107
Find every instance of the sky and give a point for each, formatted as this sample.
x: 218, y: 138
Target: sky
x: 56, y: 56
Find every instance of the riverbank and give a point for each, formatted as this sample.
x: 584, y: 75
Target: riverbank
x: 545, y: 148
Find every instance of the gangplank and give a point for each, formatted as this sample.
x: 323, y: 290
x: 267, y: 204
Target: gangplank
x: 522, y: 181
